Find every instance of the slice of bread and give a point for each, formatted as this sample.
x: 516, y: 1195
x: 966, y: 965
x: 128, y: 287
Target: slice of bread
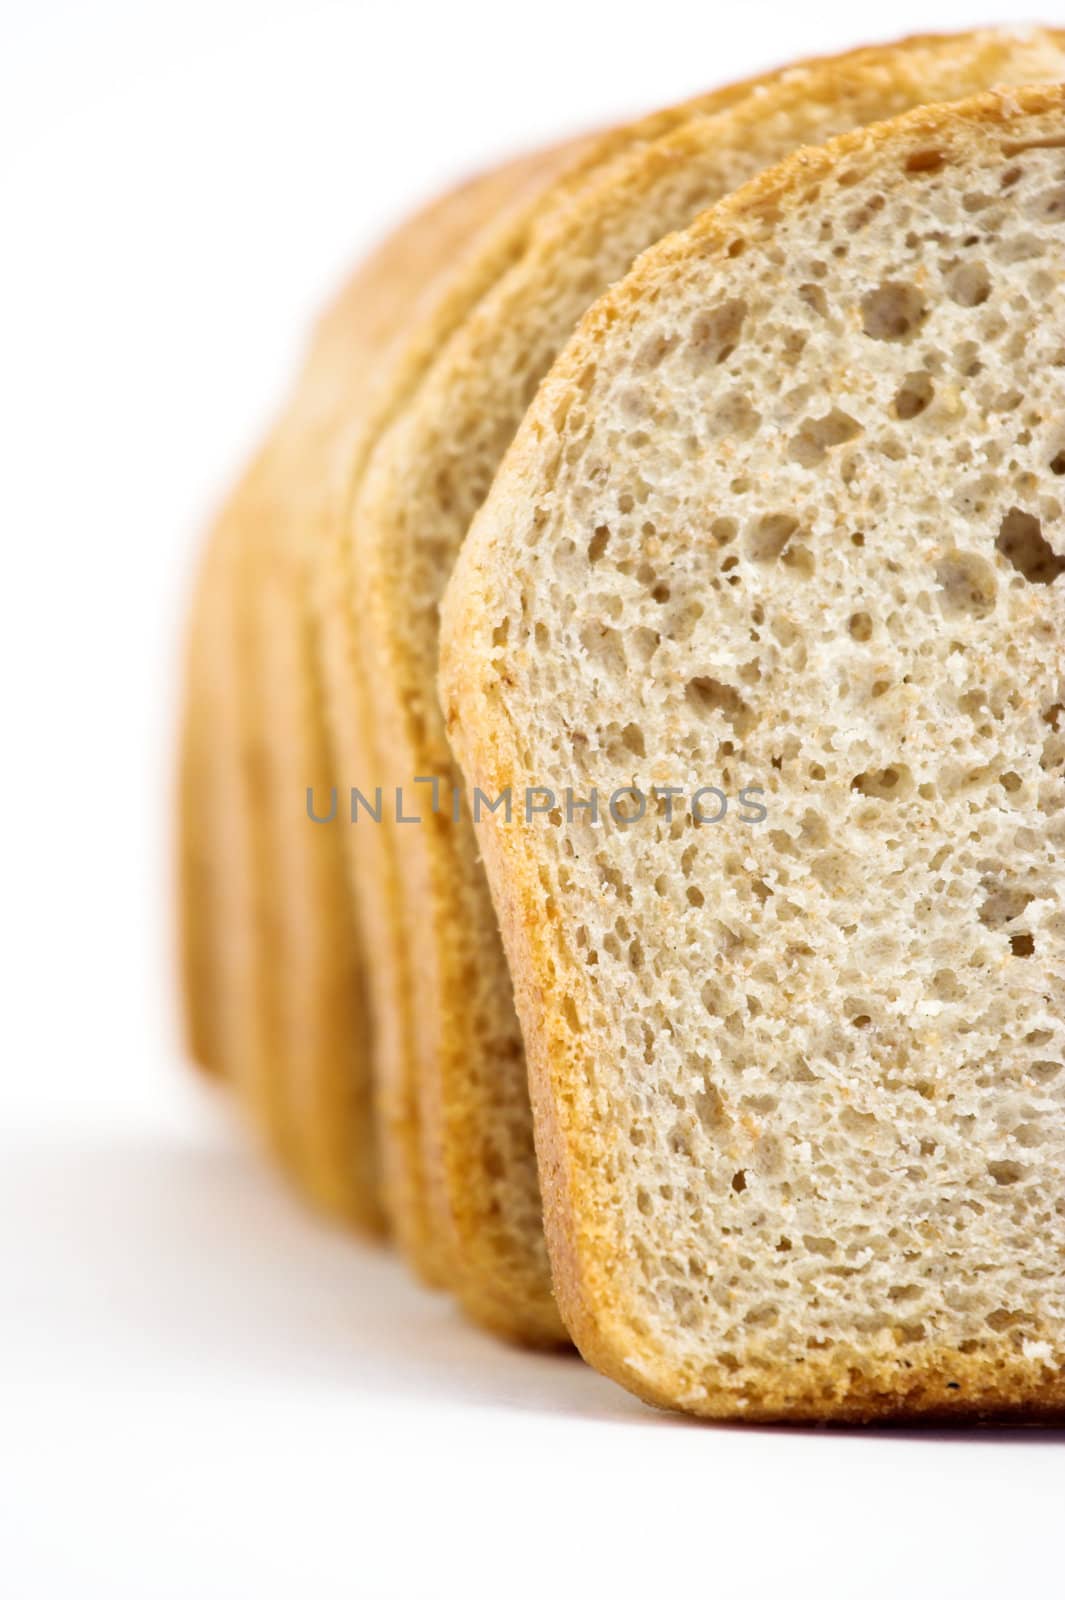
x: 474, y: 233
x: 328, y: 1088
x: 361, y: 716
x: 274, y: 979
x: 207, y: 741
x: 423, y: 486
x: 788, y: 514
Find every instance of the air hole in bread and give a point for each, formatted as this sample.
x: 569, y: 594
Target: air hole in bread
x: 709, y: 698
x: 1026, y: 247
x: 884, y: 783
x: 736, y: 415
x: 1004, y: 1172
x: 813, y: 296
x: 766, y: 540
x: 765, y: 1316
x: 715, y: 334
x: 970, y: 284
x: 632, y: 739
x: 913, y: 396
x: 967, y: 584
x: 945, y: 985
x: 1021, y: 541
x: 864, y: 214
x: 892, y: 311
x: 818, y: 435
x: 1003, y: 903
x: 654, y: 351
x: 799, y: 560
x: 597, y: 543
x: 924, y: 161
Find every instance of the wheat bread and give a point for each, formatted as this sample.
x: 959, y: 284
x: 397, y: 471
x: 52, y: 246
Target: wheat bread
x: 273, y: 974
x: 475, y: 231
x: 422, y: 487
x: 360, y: 714
x: 206, y: 743
x: 327, y: 1084
x: 424, y: 1225
x: 788, y: 513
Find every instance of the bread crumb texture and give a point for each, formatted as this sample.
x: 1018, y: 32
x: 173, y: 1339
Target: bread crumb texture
x: 788, y: 513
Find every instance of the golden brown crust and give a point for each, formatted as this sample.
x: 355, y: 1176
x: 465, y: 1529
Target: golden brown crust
x: 199, y: 746
x: 245, y: 1027
x: 581, y: 1223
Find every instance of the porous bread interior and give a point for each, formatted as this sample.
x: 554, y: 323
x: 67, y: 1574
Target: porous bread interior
x: 789, y: 513
x: 424, y: 485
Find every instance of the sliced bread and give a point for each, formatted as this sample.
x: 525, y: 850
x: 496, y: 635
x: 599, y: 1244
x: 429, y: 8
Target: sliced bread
x: 786, y: 516
x: 326, y: 1082
x: 423, y: 485
x: 274, y: 977
x: 361, y: 715
x: 207, y: 742
x: 422, y: 282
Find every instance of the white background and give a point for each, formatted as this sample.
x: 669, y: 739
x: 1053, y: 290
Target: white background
x: 203, y: 1393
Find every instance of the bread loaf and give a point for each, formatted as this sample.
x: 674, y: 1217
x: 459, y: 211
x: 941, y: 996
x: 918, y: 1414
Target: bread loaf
x: 787, y: 516
x: 275, y: 980
x: 421, y: 488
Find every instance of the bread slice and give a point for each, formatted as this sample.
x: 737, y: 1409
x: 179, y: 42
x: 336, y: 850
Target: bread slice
x: 325, y: 1082
x: 206, y: 745
x: 274, y: 978
x: 360, y: 719
x: 273, y: 983
x: 423, y: 486
x: 787, y: 514
x: 474, y: 233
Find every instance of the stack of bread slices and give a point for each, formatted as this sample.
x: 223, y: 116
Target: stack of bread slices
x: 622, y: 814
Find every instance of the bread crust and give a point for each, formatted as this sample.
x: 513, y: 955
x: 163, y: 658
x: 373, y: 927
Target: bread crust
x: 200, y: 750
x: 582, y: 1225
